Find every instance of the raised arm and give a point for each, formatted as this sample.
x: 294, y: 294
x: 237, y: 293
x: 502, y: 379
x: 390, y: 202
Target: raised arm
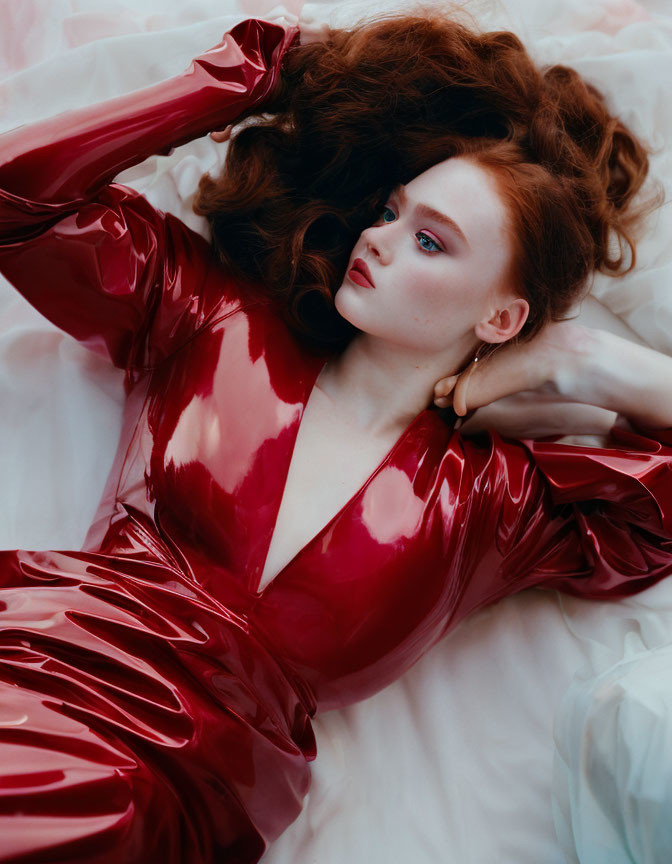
x: 94, y: 257
x: 572, y: 363
x: 594, y: 522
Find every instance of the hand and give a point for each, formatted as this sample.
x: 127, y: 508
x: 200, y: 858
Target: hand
x: 535, y: 365
x: 310, y: 30
x: 279, y: 37
x: 222, y: 134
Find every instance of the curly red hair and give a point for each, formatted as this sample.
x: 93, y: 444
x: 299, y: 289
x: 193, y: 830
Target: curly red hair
x: 376, y: 105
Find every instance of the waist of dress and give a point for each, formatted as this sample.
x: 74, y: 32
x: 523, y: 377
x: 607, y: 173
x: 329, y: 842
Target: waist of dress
x: 207, y: 628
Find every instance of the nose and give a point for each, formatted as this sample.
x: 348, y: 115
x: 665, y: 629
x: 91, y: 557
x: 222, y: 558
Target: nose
x: 377, y: 244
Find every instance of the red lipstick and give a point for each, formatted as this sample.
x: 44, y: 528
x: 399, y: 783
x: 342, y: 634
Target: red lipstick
x: 361, y: 274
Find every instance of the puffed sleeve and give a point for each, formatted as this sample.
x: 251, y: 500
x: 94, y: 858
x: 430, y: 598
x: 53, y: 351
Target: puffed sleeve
x: 95, y: 257
x: 594, y: 522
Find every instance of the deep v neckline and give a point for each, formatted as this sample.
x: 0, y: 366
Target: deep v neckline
x: 258, y: 592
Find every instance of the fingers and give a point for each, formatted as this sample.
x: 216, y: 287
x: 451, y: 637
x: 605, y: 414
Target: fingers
x: 461, y: 389
x: 460, y: 392
x: 442, y: 390
x: 221, y: 135
x: 454, y: 389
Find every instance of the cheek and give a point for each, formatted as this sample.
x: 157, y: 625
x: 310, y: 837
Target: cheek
x: 442, y: 306
x: 427, y: 299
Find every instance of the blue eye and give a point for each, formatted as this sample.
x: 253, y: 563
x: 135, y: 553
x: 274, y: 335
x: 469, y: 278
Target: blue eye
x: 420, y: 234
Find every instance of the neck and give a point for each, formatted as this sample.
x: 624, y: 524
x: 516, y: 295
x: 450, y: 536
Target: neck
x: 381, y: 387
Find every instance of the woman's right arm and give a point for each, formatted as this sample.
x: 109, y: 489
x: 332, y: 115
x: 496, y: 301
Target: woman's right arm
x: 588, y: 521
x: 92, y: 256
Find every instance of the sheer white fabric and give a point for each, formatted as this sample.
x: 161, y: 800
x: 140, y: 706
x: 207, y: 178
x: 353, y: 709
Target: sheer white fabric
x: 613, y: 786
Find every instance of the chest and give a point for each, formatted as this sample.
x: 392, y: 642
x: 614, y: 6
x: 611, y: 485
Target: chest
x: 247, y: 467
x: 331, y: 461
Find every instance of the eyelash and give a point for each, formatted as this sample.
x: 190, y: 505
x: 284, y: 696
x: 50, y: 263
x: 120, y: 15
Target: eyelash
x: 418, y: 234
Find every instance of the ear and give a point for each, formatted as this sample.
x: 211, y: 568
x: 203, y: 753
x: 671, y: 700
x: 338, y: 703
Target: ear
x: 505, y: 323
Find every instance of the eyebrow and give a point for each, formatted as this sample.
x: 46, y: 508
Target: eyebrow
x: 436, y: 215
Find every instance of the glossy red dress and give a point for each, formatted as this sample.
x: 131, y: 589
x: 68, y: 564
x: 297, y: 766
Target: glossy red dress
x: 155, y: 705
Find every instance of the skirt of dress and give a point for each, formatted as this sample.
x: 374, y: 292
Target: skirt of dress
x: 140, y: 721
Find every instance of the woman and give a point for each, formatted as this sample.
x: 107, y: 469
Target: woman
x: 165, y: 675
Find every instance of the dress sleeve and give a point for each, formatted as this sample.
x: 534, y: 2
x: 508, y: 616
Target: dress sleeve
x: 594, y: 522
x: 95, y: 257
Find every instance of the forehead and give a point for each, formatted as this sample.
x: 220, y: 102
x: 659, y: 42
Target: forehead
x: 468, y: 193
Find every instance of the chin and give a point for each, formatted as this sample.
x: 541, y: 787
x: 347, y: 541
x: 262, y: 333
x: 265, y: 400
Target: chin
x: 353, y: 307
x: 343, y: 306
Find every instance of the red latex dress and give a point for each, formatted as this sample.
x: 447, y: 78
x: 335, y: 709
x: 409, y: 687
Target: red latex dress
x: 156, y: 705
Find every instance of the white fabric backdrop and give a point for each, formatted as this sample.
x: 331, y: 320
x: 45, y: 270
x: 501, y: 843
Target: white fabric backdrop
x: 456, y: 762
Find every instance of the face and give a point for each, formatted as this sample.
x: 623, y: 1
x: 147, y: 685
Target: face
x: 434, y: 278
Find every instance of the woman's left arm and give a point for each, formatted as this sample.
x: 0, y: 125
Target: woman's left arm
x: 599, y: 368
x: 574, y: 364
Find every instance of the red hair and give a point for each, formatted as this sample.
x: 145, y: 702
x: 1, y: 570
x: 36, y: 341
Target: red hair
x: 377, y: 105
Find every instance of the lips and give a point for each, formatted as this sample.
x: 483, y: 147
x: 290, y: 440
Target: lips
x: 361, y: 274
